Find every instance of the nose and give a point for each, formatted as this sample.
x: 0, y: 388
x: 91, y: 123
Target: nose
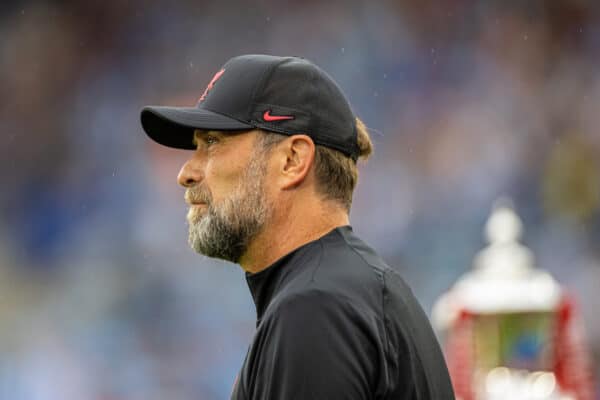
x: 190, y: 174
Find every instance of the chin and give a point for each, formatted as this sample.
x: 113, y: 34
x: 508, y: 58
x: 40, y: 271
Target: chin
x: 195, y: 215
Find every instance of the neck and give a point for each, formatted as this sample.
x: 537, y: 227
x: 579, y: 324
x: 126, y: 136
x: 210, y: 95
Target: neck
x: 286, y: 233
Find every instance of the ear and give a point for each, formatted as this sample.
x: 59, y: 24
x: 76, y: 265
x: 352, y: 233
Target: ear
x: 299, y: 155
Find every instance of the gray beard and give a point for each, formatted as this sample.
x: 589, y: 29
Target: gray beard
x: 225, y: 231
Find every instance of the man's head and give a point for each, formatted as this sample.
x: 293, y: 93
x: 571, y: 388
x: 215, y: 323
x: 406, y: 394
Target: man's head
x: 235, y: 182
x: 224, y: 183
x: 272, y: 137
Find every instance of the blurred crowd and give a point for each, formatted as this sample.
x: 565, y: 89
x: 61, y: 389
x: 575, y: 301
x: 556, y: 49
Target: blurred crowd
x: 467, y: 101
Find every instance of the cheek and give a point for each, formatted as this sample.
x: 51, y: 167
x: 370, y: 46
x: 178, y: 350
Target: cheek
x: 270, y: 183
x: 223, y: 177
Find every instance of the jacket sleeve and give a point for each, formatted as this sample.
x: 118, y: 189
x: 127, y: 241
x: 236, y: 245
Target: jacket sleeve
x: 314, y: 346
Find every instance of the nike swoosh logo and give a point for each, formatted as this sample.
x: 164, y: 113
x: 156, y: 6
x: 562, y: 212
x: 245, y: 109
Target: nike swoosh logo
x: 268, y: 117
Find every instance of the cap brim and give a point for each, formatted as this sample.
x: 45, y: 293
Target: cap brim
x: 174, y: 126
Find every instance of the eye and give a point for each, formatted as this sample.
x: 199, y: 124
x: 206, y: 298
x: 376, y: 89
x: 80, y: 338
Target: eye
x: 210, y: 140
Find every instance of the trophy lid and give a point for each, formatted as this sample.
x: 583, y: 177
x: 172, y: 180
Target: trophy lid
x: 504, y: 278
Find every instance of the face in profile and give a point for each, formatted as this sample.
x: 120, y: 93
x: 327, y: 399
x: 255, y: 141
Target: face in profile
x: 223, y: 229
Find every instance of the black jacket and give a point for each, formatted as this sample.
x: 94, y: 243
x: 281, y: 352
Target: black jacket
x: 336, y: 322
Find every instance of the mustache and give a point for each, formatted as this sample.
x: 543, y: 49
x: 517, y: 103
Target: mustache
x: 198, y: 194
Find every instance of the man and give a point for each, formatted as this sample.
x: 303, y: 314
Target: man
x: 269, y: 186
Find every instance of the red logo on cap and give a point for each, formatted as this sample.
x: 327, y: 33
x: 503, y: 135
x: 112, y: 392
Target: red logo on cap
x: 211, y: 84
x: 268, y: 117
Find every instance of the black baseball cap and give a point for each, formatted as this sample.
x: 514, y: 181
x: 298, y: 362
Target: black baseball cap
x: 288, y: 95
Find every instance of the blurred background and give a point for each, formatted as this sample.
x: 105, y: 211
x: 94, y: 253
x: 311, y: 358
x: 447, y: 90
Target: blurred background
x: 100, y: 296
